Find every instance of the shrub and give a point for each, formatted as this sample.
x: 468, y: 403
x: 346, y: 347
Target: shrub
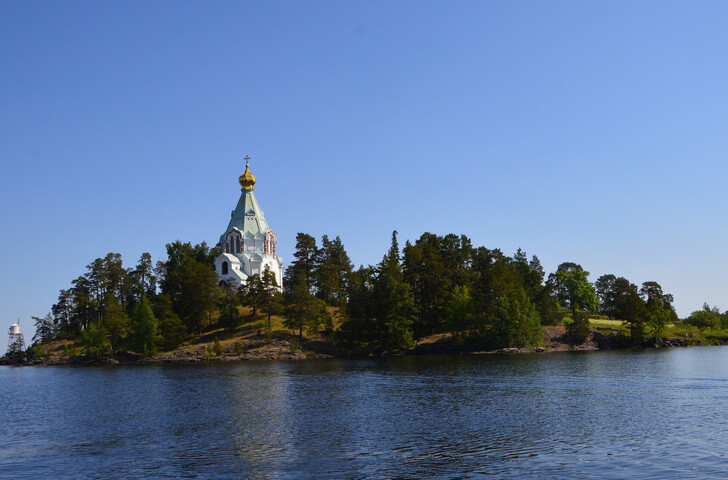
x: 217, y: 348
x: 705, y: 318
x: 578, y: 329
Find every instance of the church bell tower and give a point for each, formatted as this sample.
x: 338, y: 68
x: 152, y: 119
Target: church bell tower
x: 248, y: 245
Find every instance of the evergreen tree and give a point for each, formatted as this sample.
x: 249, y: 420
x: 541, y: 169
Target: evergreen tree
x: 303, y: 310
x: 305, y: 263
x: 229, y: 302
x: 145, y: 329
x: 271, y: 292
x: 196, y: 294
x: 143, y: 279
x: 115, y: 322
x: 360, y: 324
x: 256, y: 295
x: 460, y: 312
x: 171, y: 328
x: 425, y: 271
x: 394, y: 307
x: 46, y: 328
x: 63, y: 313
x: 332, y: 272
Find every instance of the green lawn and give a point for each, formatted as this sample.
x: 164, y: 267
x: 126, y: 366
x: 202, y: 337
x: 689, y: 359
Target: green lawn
x: 598, y: 322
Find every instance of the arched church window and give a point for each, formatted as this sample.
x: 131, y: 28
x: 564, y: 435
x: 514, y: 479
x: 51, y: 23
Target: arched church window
x: 224, y: 268
x: 237, y: 244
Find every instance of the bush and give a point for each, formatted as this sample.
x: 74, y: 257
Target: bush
x: 705, y: 318
x: 69, y: 350
x: 578, y: 330
x: 37, y: 350
x: 217, y: 348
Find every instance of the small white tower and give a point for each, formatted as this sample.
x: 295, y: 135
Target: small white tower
x: 16, y: 343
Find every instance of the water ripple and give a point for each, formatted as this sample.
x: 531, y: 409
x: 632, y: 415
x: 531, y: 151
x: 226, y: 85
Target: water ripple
x: 653, y: 414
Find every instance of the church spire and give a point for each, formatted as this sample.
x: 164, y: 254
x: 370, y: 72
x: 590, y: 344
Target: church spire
x: 247, y: 179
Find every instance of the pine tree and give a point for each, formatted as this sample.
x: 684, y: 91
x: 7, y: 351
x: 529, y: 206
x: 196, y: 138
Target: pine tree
x: 303, y: 310
x: 230, y: 317
x: 145, y: 329
x: 332, y: 272
x: 115, y: 322
x: 305, y: 263
x: 171, y: 328
x: 395, y: 307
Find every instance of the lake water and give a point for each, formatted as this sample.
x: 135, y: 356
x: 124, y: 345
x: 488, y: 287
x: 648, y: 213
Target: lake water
x: 650, y: 414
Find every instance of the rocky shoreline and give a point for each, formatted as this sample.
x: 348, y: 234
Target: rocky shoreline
x: 282, y: 349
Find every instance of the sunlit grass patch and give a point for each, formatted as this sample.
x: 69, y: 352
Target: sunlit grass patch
x: 601, y: 322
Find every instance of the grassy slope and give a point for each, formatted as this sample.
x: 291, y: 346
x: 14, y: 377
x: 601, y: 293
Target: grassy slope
x: 253, y: 335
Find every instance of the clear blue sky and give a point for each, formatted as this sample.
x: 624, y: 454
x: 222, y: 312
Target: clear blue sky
x: 593, y: 132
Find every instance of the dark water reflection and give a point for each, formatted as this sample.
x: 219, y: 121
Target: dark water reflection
x: 652, y: 414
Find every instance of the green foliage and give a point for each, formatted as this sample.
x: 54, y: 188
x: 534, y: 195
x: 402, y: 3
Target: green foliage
x: 394, y: 304
x: 190, y: 280
x: 197, y: 295
x: 460, y: 312
x: 658, y: 318
x: 262, y: 293
x: 425, y: 271
x: 706, y: 318
x: 69, y: 350
x: 217, y: 348
x: 433, y: 267
x: 578, y: 329
x: 304, y: 265
x: 116, y: 322
x: 95, y: 343
x: 228, y: 305
x: 439, y: 284
x: 143, y: 279
x: 303, y: 310
x: 332, y: 272
x: 398, y: 319
x: 573, y: 289
x: 516, y: 322
x: 37, y: 350
x: 46, y: 328
x: 360, y: 325
x: 238, y: 347
x: 171, y: 329
x: 145, y: 329
x: 16, y: 351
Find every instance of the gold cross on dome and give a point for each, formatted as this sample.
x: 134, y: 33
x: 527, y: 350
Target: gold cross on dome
x: 247, y: 161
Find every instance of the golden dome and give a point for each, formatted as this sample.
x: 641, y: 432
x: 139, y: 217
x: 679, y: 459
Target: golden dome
x: 247, y: 179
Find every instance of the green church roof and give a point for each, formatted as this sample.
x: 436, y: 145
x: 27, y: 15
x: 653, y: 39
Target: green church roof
x: 247, y: 216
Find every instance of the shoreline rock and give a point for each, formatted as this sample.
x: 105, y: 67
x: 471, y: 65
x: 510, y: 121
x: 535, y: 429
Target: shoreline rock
x: 278, y: 349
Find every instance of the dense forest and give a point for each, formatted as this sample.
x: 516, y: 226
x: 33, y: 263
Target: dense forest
x: 481, y: 298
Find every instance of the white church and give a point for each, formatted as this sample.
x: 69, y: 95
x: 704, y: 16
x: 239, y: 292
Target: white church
x: 248, y: 245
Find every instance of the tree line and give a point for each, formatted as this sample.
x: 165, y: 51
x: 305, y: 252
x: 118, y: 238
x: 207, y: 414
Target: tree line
x: 482, y: 298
